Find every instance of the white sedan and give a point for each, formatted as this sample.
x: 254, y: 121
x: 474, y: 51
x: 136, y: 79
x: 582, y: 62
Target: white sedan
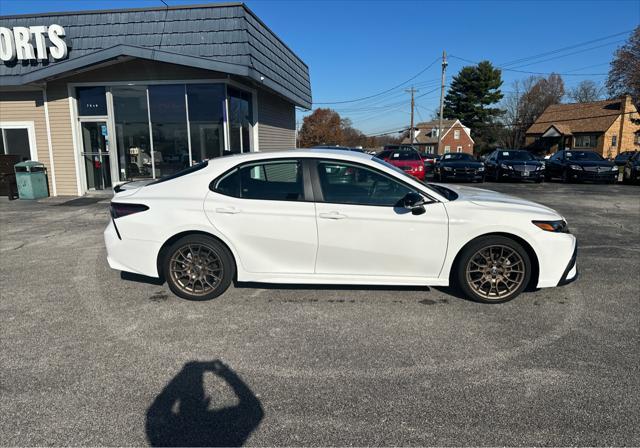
x: 332, y: 217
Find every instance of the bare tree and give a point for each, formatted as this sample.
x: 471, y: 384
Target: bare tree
x: 585, y: 92
x: 624, y: 73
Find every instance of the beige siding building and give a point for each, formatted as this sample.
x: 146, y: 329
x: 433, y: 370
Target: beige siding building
x: 608, y: 127
x: 124, y: 95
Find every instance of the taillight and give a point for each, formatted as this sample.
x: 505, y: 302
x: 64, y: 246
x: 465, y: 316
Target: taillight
x: 118, y: 210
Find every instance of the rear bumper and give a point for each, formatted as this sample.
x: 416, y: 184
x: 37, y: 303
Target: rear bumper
x: 570, y: 274
x: 131, y: 255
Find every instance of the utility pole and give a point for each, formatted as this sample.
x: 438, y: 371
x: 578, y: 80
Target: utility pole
x: 444, y: 71
x: 411, y: 91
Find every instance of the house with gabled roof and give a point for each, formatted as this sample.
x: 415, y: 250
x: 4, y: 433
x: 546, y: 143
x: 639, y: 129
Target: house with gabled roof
x: 608, y: 127
x: 456, y: 137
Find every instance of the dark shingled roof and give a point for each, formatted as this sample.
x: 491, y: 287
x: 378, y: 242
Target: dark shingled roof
x: 597, y: 116
x: 226, y: 37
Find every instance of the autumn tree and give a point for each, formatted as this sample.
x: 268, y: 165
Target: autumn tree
x: 624, y: 72
x: 585, y: 92
x: 472, y: 97
x: 322, y: 127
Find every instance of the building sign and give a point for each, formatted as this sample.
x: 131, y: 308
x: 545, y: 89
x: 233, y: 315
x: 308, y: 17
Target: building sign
x: 32, y: 43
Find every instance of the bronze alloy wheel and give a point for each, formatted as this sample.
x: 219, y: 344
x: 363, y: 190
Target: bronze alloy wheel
x: 495, y: 272
x: 196, y: 269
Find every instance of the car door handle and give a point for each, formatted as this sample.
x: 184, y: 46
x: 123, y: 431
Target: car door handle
x: 332, y: 215
x: 228, y: 211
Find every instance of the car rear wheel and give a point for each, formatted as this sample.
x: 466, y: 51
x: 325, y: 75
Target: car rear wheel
x: 493, y: 269
x: 198, y: 267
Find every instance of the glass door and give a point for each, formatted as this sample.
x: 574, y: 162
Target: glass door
x: 95, y: 154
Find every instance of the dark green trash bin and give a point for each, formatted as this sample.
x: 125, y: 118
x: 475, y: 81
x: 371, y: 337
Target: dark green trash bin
x: 31, y: 177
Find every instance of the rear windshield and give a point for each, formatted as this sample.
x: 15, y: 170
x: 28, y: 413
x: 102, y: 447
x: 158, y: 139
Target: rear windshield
x: 515, y: 155
x: 457, y: 156
x: 184, y: 172
x: 404, y: 155
x: 583, y: 155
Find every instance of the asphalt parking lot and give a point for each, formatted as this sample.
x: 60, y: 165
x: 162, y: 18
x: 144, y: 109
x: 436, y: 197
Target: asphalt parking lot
x: 90, y: 358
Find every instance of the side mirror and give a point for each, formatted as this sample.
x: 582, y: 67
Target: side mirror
x: 414, y: 202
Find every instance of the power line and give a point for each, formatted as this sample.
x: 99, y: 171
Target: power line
x: 383, y: 92
x: 560, y: 50
x: 531, y: 73
x: 569, y: 54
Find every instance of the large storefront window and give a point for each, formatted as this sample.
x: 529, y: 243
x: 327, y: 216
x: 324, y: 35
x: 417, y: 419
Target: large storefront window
x: 169, y: 126
x: 206, y: 120
x: 163, y: 128
x: 132, y: 131
x: 239, y: 121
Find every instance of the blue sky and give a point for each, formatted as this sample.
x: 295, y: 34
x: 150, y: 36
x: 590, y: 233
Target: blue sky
x: 360, y: 48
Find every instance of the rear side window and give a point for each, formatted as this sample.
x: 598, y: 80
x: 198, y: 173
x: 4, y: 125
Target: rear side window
x: 405, y: 155
x: 271, y: 181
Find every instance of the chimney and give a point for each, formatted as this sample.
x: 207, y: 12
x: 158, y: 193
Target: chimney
x: 626, y: 107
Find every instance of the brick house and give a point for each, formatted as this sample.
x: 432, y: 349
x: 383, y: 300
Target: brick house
x: 606, y: 127
x: 456, y: 137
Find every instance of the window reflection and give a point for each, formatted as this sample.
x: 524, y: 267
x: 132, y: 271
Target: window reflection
x: 206, y: 120
x: 132, y: 131
x: 169, y: 126
x: 239, y: 121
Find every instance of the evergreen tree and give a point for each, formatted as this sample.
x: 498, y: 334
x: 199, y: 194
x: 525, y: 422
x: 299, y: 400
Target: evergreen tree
x: 472, y: 93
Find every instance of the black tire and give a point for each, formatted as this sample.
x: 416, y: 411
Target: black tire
x: 215, y: 270
x: 466, y: 262
x: 539, y: 180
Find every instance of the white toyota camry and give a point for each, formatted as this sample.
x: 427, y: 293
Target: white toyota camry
x: 332, y: 217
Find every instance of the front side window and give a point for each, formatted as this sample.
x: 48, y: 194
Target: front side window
x: 345, y: 183
x: 279, y: 180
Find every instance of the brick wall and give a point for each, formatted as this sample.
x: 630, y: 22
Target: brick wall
x: 449, y: 140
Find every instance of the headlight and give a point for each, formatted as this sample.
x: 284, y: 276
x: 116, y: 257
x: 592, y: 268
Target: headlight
x: 446, y: 168
x: 540, y: 168
x: 505, y: 166
x: 559, y: 226
x: 481, y: 168
x: 614, y: 168
x: 575, y: 167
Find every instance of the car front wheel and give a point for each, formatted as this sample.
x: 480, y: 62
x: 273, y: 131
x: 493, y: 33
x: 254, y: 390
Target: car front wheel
x: 198, y: 267
x: 493, y: 269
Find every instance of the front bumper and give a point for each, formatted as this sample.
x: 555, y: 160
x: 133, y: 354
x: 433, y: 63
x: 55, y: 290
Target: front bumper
x: 468, y: 175
x: 606, y: 175
x: 571, y: 272
x: 521, y: 175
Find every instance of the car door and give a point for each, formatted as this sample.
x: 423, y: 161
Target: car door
x: 490, y: 165
x: 363, y: 231
x: 262, y: 209
x: 554, y: 165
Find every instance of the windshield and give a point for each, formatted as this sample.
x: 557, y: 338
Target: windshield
x: 458, y: 156
x: 404, y: 155
x: 515, y: 155
x: 583, y: 155
x: 449, y: 194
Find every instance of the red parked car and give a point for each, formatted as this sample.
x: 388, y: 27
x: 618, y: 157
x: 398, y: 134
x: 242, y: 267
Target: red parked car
x: 405, y: 158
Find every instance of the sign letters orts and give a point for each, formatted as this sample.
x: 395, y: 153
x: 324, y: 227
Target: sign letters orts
x: 29, y: 43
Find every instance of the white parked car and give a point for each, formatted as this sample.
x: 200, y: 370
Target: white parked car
x: 332, y: 217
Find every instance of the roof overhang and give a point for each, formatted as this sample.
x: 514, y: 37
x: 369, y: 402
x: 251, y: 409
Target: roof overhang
x: 87, y: 62
x: 553, y: 131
